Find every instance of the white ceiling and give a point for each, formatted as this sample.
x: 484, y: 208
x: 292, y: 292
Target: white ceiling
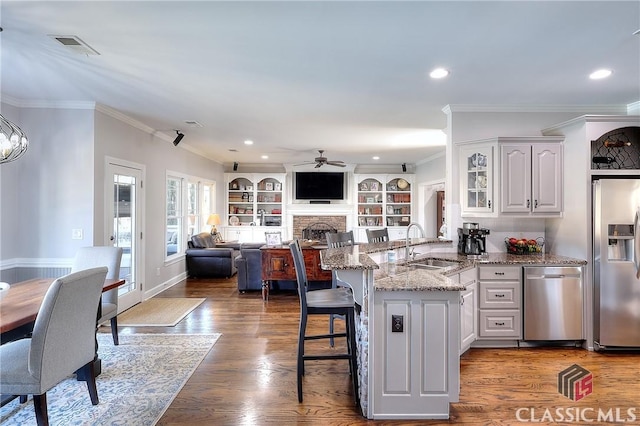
x: 347, y: 77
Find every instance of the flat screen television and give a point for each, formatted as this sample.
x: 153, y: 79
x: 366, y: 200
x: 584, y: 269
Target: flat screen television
x: 319, y: 186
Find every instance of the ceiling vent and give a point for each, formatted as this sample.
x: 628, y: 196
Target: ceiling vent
x: 74, y: 43
x: 193, y: 123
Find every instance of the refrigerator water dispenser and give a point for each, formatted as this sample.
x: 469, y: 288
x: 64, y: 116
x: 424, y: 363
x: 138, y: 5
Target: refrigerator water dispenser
x: 620, y: 244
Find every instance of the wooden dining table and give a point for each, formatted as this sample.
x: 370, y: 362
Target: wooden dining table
x: 19, y: 304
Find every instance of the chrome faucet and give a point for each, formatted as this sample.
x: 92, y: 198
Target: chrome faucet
x: 407, y: 251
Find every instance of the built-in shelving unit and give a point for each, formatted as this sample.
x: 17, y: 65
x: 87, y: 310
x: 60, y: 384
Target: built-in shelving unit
x: 254, y: 203
x: 384, y: 201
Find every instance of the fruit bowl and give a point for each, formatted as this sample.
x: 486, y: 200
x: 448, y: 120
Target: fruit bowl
x: 522, y: 246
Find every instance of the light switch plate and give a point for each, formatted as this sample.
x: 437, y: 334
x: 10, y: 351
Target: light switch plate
x: 76, y: 234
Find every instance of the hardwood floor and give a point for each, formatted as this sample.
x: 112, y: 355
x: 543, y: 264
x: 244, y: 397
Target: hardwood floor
x: 249, y: 376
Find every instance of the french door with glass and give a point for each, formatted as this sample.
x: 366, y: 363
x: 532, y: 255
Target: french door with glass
x: 123, y: 225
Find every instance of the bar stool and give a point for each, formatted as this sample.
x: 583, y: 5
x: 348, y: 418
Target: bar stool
x: 323, y: 302
x: 377, y: 235
x: 335, y: 240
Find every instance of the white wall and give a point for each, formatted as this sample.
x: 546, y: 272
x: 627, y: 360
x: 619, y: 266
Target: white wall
x: 49, y: 191
x: 58, y: 185
x: 430, y: 177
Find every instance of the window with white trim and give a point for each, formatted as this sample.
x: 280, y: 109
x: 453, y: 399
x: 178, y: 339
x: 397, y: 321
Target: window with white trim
x: 189, y: 202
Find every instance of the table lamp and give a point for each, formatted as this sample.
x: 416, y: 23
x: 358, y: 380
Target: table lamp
x: 213, y: 220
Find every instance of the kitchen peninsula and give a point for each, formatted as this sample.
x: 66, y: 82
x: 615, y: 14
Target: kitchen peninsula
x: 409, y: 322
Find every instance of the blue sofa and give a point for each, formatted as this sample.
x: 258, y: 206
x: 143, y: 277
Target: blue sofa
x: 206, y: 259
x: 249, y: 266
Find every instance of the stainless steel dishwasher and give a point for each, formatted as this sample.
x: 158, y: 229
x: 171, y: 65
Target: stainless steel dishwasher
x: 553, y: 303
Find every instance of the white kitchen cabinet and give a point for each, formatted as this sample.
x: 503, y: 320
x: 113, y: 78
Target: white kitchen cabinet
x: 512, y: 176
x: 415, y: 367
x: 531, y: 178
x: 500, y: 302
x: 477, y: 179
x: 468, y: 309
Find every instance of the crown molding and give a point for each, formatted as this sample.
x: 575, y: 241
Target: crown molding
x: 633, y: 119
x: 150, y: 130
x: 433, y: 157
x: 24, y: 103
x: 114, y: 113
x: 614, y: 109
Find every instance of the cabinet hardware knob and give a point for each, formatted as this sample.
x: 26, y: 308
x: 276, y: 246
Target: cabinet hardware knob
x: 499, y: 295
x: 528, y: 203
x: 500, y: 323
x: 535, y: 204
x: 499, y: 273
x: 489, y: 205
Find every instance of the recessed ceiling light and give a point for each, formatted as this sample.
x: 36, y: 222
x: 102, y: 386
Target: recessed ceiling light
x: 264, y: 157
x: 248, y: 142
x: 375, y: 157
x: 439, y: 73
x: 597, y: 75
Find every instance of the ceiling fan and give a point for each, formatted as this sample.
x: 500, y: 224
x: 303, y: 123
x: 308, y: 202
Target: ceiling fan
x: 322, y: 160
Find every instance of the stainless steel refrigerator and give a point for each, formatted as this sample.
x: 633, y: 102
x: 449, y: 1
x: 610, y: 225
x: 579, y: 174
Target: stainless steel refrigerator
x: 616, y: 262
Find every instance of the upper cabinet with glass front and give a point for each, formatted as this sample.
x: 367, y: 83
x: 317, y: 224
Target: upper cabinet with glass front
x: 512, y: 176
x: 477, y: 179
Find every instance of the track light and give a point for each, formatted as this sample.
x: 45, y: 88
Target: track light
x: 404, y: 167
x: 235, y: 166
x: 178, y: 138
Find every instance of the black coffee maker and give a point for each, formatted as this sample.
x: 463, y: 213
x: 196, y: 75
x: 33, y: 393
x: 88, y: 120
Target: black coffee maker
x: 472, y: 239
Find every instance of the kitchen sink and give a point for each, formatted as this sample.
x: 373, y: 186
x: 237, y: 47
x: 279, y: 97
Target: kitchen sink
x: 431, y: 263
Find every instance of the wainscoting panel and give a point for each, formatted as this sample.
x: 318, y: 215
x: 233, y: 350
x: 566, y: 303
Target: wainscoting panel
x: 15, y: 275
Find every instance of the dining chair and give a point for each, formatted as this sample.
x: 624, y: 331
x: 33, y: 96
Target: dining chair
x: 323, y: 302
x: 109, y: 256
x: 63, y: 341
x: 377, y: 235
x: 335, y: 240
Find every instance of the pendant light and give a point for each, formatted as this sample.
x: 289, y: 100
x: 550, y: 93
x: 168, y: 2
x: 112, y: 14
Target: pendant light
x: 13, y: 141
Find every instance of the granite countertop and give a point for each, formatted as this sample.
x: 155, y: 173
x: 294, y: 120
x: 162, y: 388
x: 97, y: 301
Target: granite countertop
x: 400, y: 277
x: 356, y: 257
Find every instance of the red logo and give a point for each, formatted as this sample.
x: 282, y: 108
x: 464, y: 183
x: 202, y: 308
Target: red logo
x: 575, y: 382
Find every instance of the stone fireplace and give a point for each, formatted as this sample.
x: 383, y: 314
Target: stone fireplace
x: 316, y: 226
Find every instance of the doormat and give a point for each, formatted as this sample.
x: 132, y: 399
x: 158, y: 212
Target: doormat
x: 159, y: 312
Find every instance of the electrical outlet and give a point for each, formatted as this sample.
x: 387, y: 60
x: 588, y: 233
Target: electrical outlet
x: 76, y: 234
x: 397, y: 323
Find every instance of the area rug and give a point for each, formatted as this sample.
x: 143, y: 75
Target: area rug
x: 159, y: 311
x: 139, y: 379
